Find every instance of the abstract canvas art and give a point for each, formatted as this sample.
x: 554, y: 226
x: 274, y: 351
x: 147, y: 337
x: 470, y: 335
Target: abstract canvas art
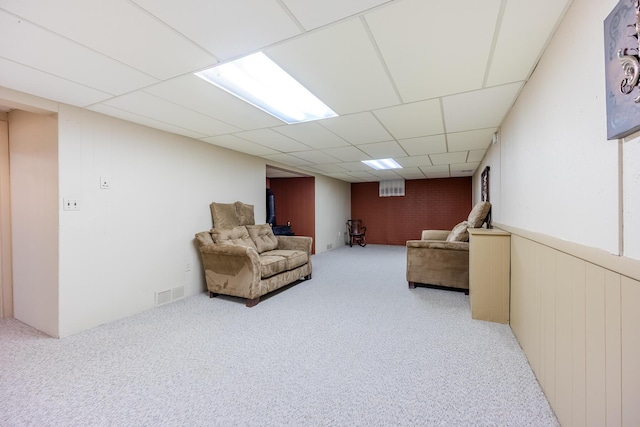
x: 622, y: 69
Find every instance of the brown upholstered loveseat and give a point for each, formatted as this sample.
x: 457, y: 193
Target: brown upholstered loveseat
x: 246, y: 260
x: 441, y: 257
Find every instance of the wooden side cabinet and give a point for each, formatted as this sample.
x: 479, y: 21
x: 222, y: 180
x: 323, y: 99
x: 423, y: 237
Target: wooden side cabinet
x: 489, y: 274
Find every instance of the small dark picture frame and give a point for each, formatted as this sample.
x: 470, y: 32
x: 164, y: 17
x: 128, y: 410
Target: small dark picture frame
x: 484, y: 191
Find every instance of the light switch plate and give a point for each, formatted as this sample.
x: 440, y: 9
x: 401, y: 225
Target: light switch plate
x: 70, y: 204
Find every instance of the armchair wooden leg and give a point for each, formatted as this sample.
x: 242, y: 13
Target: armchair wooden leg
x: 252, y: 302
x: 412, y: 285
x: 307, y: 277
x: 212, y: 294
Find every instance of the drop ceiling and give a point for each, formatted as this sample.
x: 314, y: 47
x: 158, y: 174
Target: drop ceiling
x: 426, y: 82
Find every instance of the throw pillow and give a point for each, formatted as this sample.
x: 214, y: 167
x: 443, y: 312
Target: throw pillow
x: 224, y: 215
x: 232, y: 236
x: 478, y: 214
x: 244, y: 213
x: 262, y: 236
x: 459, y: 233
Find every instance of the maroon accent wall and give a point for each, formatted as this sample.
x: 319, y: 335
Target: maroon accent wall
x: 295, y: 201
x: 428, y: 204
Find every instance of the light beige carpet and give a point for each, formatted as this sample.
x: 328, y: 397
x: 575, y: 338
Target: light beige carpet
x: 351, y: 347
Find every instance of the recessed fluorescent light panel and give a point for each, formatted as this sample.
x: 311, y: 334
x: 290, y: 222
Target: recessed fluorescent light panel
x: 382, y: 164
x: 259, y: 81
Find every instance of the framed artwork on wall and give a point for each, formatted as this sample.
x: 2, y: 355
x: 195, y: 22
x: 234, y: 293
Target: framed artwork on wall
x: 484, y: 194
x: 622, y: 69
x: 484, y: 191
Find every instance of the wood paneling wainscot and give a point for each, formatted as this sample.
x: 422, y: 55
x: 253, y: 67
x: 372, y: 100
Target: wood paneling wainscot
x: 576, y: 314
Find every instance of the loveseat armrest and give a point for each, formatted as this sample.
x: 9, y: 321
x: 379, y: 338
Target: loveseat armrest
x: 231, y: 269
x: 296, y: 243
x: 433, y: 244
x: 435, y: 234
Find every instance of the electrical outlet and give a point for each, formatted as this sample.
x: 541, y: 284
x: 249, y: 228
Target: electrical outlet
x: 104, y: 183
x: 70, y: 205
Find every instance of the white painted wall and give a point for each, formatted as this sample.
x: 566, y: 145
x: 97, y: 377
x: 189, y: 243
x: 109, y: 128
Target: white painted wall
x: 333, y: 208
x: 557, y: 173
x: 631, y: 196
x: 135, y: 238
x: 33, y: 159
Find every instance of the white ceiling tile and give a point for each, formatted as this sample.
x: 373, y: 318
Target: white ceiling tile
x: 366, y: 176
x: 238, y: 144
x: 313, y: 14
x: 347, y: 76
x: 383, y: 150
x: 411, y: 173
x: 358, y: 57
x: 413, y: 162
x: 440, y: 171
x: 146, y: 121
x: 138, y: 39
x: 361, y: 128
x: 470, y: 140
x: 315, y: 156
x: 515, y: 56
x: 347, y: 154
x: 226, y: 28
x: 424, y: 145
x: 448, y: 158
x: 147, y: 105
x: 385, y: 175
x: 286, y: 159
x: 471, y: 110
x: 64, y: 58
x: 330, y: 168
x: 34, y: 82
x: 341, y: 176
x: 465, y: 169
x: 312, y: 134
x: 476, y: 156
x: 196, y: 94
x: 412, y: 120
x: 273, y: 140
x: 433, y: 48
x: 354, y: 166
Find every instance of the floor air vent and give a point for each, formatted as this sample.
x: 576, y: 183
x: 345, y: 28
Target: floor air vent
x: 163, y: 297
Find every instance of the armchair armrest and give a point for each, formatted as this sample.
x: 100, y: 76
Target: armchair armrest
x: 435, y: 234
x: 437, y: 244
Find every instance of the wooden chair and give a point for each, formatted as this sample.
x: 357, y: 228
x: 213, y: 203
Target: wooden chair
x: 356, y: 232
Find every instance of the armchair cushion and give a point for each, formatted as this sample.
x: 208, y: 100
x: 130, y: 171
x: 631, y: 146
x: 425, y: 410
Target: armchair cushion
x: 224, y: 215
x: 263, y: 237
x: 233, y: 236
x: 478, y: 214
x: 435, y: 234
x: 459, y: 233
x: 244, y: 213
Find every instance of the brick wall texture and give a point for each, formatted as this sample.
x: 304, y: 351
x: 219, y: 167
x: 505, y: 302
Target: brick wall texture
x: 428, y: 204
